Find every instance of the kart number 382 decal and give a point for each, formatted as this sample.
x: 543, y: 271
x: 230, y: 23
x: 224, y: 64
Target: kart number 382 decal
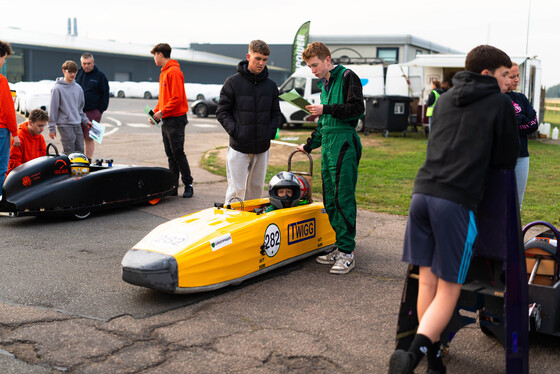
x: 272, y: 240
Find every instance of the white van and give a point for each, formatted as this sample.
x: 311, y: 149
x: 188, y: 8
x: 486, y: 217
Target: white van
x: 305, y: 83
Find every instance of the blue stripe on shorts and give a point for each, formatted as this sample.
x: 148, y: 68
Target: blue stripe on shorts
x: 467, y: 254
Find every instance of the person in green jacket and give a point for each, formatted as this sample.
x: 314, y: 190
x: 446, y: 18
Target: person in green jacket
x: 342, y: 105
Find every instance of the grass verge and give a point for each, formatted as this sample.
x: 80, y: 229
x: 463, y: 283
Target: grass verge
x: 388, y: 168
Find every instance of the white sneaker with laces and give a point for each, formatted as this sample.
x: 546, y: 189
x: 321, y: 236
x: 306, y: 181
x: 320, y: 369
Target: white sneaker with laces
x: 344, y: 263
x: 329, y: 258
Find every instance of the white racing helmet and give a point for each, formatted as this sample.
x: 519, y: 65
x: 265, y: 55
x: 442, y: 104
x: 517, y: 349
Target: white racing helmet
x: 285, y: 179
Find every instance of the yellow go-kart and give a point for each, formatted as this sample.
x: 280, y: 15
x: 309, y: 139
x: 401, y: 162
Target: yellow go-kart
x: 220, y: 246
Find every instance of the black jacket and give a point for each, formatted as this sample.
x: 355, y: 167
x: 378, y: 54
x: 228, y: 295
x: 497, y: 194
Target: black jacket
x: 249, y: 110
x: 96, y: 89
x: 473, y: 130
x: 526, y: 118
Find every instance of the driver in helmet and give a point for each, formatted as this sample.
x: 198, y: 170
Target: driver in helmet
x: 287, y: 190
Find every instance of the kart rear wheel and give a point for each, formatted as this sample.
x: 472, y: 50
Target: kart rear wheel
x: 82, y: 215
x: 201, y: 111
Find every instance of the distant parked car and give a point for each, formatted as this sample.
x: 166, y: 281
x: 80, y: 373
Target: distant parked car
x: 145, y: 90
x: 31, y: 95
x: 199, y: 91
x: 202, y: 108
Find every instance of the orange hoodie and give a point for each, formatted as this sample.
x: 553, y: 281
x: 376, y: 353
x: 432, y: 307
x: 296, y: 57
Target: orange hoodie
x: 172, y: 101
x: 32, y: 146
x: 7, y: 111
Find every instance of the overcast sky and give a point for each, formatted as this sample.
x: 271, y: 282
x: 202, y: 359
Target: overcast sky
x: 460, y: 25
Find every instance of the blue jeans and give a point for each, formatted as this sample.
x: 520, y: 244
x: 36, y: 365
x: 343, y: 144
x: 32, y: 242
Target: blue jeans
x: 521, y: 175
x: 5, y: 144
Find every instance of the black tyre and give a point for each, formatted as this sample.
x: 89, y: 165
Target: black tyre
x: 200, y: 97
x: 82, y: 215
x: 147, y: 95
x: 120, y: 94
x: 201, y: 111
x: 283, y: 123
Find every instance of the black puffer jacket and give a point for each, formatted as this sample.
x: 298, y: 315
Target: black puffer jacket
x: 249, y: 110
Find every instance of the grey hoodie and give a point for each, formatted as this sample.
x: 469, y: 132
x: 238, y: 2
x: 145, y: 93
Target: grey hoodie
x: 67, y: 104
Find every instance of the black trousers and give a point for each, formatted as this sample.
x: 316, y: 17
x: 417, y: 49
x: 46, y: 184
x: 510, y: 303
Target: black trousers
x: 173, y: 133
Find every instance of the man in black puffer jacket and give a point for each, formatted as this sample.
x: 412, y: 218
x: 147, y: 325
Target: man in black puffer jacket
x: 249, y: 111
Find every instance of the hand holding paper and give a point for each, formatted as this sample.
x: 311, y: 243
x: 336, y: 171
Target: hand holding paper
x: 97, y: 131
x: 294, y: 98
x: 150, y: 114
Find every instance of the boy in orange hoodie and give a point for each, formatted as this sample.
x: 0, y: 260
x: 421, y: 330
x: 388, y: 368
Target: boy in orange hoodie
x: 8, y: 123
x: 32, y: 142
x: 172, y: 109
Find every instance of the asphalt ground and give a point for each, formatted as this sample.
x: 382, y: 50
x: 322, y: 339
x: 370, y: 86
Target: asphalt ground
x: 64, y: 308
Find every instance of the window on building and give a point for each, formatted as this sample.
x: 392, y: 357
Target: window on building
x: 389, y: 55
x: 14, y: 66
x: 419, y: 52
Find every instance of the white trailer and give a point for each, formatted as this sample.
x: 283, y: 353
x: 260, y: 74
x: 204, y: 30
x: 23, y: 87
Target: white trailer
x: 414, y: 78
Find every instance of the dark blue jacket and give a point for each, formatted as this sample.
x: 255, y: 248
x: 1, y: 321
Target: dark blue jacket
x: 96, y: 89
x: 526, y: 119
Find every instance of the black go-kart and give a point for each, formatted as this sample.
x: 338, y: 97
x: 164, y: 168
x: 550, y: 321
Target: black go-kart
x: 47, y: 186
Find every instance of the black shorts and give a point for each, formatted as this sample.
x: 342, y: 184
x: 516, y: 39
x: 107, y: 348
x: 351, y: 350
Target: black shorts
x: 440, y: 234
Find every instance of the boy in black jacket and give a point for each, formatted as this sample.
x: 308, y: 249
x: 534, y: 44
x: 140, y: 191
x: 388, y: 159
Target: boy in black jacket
x: 249, y: 111
x: 473, y: 130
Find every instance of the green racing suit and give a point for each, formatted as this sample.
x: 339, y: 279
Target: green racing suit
x: 343, y: 106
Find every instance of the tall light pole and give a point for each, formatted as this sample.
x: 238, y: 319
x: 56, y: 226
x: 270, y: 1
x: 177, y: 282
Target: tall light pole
x: 528, y: 24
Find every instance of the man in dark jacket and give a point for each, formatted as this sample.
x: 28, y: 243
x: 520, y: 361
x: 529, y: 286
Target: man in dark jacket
x: 249, y: 111
x: 96, y: 94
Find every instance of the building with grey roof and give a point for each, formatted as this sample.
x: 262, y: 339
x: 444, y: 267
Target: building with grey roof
x: 39, y: 56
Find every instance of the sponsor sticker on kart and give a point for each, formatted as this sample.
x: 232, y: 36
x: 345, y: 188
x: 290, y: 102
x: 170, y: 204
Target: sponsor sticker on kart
x: 302, y: 230
x: 221, y: 241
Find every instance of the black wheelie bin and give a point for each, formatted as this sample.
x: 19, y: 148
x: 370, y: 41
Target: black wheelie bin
x: 387, y: 114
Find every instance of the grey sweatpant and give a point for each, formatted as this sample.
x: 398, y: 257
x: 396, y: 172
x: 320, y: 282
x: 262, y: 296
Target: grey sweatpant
x: 245, y: 174
x: 72, y: 138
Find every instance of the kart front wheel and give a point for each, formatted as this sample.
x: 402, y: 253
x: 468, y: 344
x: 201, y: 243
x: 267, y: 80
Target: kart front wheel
x: 82, y: 215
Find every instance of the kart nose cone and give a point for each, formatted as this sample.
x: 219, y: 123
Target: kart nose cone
x: 150, y: 269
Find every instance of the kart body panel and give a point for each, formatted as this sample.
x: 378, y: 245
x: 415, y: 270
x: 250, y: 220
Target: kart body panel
x: 217, y: 247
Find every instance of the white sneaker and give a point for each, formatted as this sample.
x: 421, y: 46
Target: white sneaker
x: 344, y: 263
x: 329, y: 258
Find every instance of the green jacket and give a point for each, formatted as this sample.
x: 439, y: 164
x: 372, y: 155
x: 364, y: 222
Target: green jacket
x: 343, y: 105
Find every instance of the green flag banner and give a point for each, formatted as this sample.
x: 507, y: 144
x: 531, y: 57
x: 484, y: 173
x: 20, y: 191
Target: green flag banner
x: 300, y: 42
